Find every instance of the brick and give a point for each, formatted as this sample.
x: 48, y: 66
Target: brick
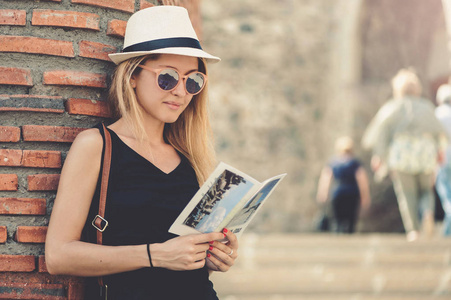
x: 17, y: 263
x: 41, y: 159
x: 15, y: 76
x: 122, y: 5
x: 75, y: 78
x: 10, y: 158
x: 3, y: 234
x: 31, y: 234
x: 38, y: 133
x: 40, y: 285
x: 34, y: 103
x: 13, y: 17
x: 67, y: 19
x: 116, y: 28
x: 35, y: 45
x: 26, y: 290
x: 22, y: 206
x: 9, y: 134
x: 96, y: 50
x: 9, y: 182
x: 75, y: 289
x: 30, y: 158
x: 42, y: 267
x: 88, y: 107
x: 43, y: 182
x: 145, y: 4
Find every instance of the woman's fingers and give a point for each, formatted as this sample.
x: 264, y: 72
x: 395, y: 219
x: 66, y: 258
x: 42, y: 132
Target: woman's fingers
x: 226, y: 260
x: 223, y: 250
x: 206, y: 237
x: 233, y: 241
x: 217, y: 262
x: 223, y: 255
x: 194, y: 251
x: 200, y: 256
x: 184, y: 252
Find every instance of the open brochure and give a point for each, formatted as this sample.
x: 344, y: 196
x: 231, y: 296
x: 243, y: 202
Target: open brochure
x: 228, y: 199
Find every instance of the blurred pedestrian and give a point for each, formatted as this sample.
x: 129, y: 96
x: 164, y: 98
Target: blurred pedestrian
x: 351, y: 190
x: 404, y: 136
x: 443, y: 180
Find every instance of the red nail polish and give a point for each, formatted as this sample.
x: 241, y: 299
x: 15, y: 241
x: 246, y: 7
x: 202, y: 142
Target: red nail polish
x: 225, y: 230
x: 211, y: 243
x: 211, y: 248
x: 208, y: 255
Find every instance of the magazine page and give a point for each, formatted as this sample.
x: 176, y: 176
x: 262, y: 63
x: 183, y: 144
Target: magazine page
x: 217, y: 197
x: 244, y: 214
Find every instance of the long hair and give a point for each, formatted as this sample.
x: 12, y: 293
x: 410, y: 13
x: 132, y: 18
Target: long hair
x: 190, y: 134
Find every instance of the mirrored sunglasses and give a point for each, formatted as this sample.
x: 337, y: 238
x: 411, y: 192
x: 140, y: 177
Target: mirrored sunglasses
x: 168, y: 79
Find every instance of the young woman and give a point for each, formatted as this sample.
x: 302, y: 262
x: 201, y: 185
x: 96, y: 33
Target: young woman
x: 161, y: 153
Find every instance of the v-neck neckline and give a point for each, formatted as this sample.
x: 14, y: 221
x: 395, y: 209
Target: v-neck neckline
x: 145, y: 159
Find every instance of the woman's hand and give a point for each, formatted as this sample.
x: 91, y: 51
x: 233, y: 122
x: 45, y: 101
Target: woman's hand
x: 184, y: 252
x: 222, y: 256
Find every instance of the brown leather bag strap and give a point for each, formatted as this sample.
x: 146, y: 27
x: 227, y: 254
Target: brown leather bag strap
x: 104, y: 185
x: 99, y: 222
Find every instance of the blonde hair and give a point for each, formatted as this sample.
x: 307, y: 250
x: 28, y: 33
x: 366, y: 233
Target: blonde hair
x: 190, y: 134
x: 406, y: 83
x: 344, y: 145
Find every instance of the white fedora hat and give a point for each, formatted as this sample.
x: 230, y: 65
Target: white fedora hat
x: 160, y: 30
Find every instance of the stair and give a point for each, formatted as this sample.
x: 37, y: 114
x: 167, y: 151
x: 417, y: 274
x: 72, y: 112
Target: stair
x: 339, y: 267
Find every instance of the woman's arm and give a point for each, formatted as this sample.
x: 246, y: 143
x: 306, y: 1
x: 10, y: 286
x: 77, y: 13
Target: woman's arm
x: 325, y: 180
x: 66, y: 254
x: 364, y: 188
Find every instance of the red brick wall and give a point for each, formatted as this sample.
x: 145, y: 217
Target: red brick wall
x: 54, y: 72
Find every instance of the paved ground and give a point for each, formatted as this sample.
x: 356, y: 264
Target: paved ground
x: 323, y: 266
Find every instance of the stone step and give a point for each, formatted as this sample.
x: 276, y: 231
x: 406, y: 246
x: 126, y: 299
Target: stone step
x: 372, y: 250
x: 336, y: 296
x: 355, y: 240
x: 319, y: 279
x: 330, y: 266
x: 294, y: 258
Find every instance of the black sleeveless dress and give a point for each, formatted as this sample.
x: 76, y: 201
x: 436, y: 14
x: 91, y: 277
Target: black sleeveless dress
x: 142, y: 203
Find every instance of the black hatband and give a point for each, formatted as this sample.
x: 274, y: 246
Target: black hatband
x: 164, y: 43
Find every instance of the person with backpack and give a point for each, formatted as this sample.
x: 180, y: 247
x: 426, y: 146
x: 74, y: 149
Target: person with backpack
x: 405, y: 138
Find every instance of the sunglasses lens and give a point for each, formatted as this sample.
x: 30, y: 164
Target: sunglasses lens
x: 195, y: 82
x: 168, y: 79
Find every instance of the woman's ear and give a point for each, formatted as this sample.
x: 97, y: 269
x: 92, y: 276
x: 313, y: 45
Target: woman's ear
x: 133, y: 82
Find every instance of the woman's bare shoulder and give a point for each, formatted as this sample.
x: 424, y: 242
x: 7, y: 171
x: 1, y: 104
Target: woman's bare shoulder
x: 89, y: 138
x: 89, y: 142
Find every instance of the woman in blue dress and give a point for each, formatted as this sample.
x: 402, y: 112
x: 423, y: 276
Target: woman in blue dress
x: 351, y: 190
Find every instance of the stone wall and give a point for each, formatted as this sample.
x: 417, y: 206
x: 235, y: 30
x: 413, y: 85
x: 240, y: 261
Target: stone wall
x: 268, y: 97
